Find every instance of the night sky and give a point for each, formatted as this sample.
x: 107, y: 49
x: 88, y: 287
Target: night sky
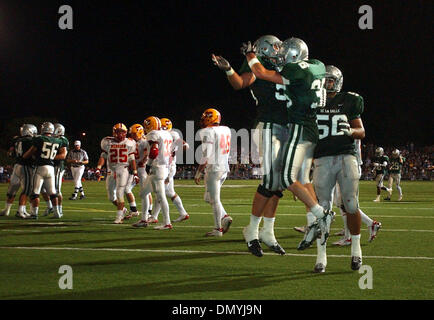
x: 127, y: 60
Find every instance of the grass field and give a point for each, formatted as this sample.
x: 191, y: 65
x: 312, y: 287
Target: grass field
x: 120, y: 262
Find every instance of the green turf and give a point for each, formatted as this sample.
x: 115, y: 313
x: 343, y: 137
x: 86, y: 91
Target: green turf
x: 120, y: 262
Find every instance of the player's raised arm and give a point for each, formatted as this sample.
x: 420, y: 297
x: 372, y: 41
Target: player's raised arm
x: 237, y: 81
x: 256, y: 66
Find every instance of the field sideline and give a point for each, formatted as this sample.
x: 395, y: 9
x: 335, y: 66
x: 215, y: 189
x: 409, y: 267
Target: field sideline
x: 120, y: 262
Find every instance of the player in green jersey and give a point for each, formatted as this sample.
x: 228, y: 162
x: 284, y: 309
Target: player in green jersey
x: 269, y: 136
x: 22, y: 172
x: 46, y: 148
x: 304, y: 81
x: 380, y: 163
x: 395, y: 167
x: 59, y: 170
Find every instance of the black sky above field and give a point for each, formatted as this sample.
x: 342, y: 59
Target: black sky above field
x: 126, y: 60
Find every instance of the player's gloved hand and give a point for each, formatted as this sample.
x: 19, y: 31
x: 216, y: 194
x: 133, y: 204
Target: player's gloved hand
x: 148, y: 169
x: 136, y: 178
x: 97, y: 173
x: 221, y: 63
x: 247, y: 47
x: 345, y: 127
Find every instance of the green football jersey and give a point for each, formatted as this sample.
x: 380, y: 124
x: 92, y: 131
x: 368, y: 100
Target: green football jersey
x: 381, y: 160
x: 61, y: 163
x: 21, y: 145
x: 344, y: 106
x: 396, y: 164
x: 47, y: 147
x: 270, y: 97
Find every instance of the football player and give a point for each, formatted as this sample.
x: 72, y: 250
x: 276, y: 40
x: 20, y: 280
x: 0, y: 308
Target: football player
x: 46, y: 148
x: 22, y: 172
x: 396, y: 163
x: 118, y: 151
x: 380, y: 163
x: 270, y: 134
x: 216, y: 141
x: 160, y: 148
x: 59, y: 170
x: 166, y: 124
x: 303, y: 80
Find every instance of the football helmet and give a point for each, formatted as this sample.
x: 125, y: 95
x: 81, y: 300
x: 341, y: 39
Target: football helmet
x: 268, y: 48
x: 47, y: 128
x: 151, y: 123
x: 119, y: 132
x: 59, y: 130
x: 333, y: 73
x: 210, y: 117
x: 294, y: 50
x: 136, y: 131
x: 166, y: 124
x: 28, y: 130
x: 395, y: 153
x: 379, y: 151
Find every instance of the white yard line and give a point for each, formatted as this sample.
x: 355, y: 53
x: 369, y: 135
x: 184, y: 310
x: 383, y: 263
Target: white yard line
x: 205, y: 251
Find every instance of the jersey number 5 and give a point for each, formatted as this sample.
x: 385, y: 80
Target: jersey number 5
x: 49, y: 150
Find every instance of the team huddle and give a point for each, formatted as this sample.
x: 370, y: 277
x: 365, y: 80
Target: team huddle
x: 303, y: 120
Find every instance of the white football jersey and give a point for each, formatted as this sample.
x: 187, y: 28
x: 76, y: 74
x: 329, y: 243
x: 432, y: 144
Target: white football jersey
x: 165, y: 148
x: 216, y: 145
x: 117, y: 152
x: 177, y: 144
x: 141, y: 153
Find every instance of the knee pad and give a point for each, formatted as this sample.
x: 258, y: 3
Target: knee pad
x: 34, y: 196
x: 53, y: 196
x: 264, y: 192
x: 351, y: 206
x: 278, y: 194
x: 9, y: 195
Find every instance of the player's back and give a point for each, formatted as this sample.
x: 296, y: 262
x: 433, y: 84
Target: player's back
x: 47, y: 148
x: 117, y: 151
x: 164, y: 140
x: 21, y: 145
x: 217, y: 141
x: 304, y: 82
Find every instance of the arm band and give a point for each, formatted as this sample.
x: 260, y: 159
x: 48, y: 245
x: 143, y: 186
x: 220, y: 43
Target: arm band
x: 230, y: 72
x: 252, y: 62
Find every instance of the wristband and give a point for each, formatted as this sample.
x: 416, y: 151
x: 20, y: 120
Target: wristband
x: 230, y: 72
x: 135, y: 172
x: 253, y: 61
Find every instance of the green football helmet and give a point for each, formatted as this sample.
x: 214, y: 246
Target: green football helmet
x: 268, y: 48
x: 294, y: 50
x: 333, y: 73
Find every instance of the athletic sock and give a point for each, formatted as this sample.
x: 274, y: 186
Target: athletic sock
x: 365, y: 219
x: 269, y: 224
x: 49, y: 204
x: 8, y: 208
x: 22, y: 209
x: 356, y: 250
x: 317, y: 211
x: 310, y: 218
x: 321, y: 256
x: 178, y: 204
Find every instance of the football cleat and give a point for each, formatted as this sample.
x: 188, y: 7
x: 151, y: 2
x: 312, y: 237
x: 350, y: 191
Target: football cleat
x: 356, y: 263
x: 152, y: 220
x: 311, y: 234
x: 400, y: 198
x: 324, y: 224
x: 271, y: 242
x: 226, y: 223
x: 31, y: 217
x: 118, y: 220
x: 255, y: 248
x: 57, y: 215
x: 21, y: 215
x: 73, y: 197
x: 319, y: 268
x: 215, y: 233
x: 373, y: 230
x: 3, y: 213
x: 343, y: 242
x: 48, y: 211
x: 140, y: 224
x: 300, y: 229
x: 377, y: 199
x: 82, y: 197
x: 135, y: 214
x: 387, y: 198
x: 181, y: 218
x: 163, y: 227
x: 340, y: 233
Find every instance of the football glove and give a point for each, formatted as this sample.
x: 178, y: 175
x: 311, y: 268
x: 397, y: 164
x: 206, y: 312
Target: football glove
x: 97, y: 173
x: 345, y: 127
x: 221, y: 63
x: 136, y: 178
x: 247, y: 47
x: 148, y: 169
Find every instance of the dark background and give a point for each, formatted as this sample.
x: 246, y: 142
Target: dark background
x: 127, y: 60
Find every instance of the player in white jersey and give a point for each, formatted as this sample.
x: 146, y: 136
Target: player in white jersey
x: 216, y: 142
x: 178, y: 143
x: 118, y: 151
x: 160, y: 149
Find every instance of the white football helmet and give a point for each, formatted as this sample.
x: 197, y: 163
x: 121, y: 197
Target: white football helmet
x: 28, y: 130
x: 294, y: 50
x: 379, y: 151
